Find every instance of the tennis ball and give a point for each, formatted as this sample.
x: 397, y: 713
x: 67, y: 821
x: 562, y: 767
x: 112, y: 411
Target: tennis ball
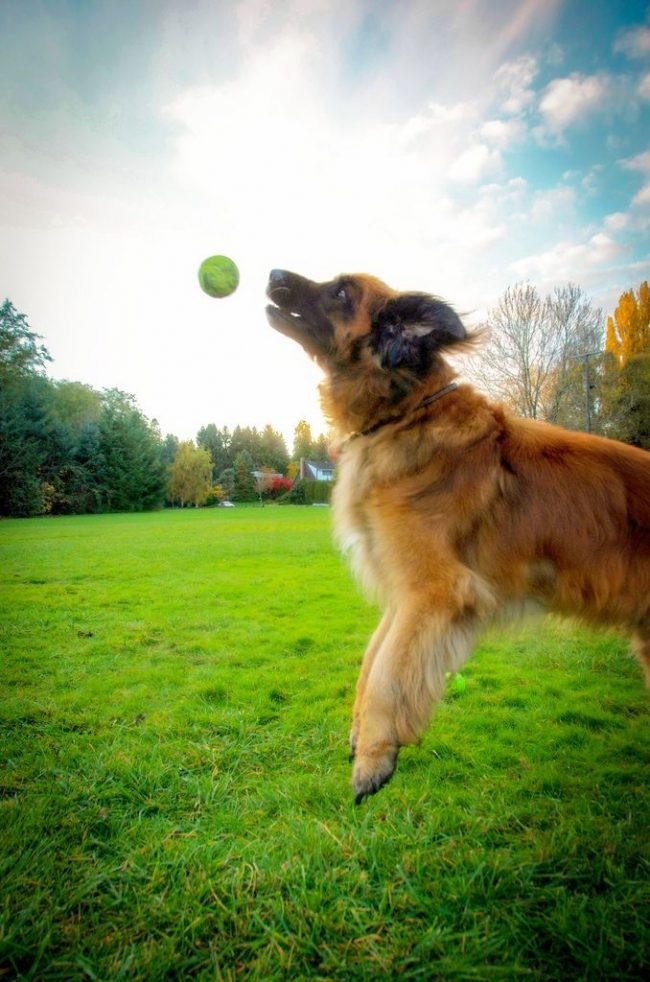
x: 218, y: 276
x: 458, y: 683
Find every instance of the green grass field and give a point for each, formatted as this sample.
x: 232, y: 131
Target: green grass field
x: 174, y: 786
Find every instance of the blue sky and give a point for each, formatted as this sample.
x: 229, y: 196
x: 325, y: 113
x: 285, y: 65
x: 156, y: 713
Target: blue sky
x: 457, y: 147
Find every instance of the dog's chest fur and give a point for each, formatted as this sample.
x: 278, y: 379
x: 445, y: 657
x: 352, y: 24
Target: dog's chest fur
x: 353, y: 523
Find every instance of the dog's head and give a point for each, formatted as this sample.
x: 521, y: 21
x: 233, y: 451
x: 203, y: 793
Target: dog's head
x: 369, y: 339
x: 358, y: 319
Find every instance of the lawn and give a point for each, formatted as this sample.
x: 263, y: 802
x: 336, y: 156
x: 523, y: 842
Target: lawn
x: 174, y: 786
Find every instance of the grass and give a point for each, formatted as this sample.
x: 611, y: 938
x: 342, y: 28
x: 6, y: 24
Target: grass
x: 174, y: 785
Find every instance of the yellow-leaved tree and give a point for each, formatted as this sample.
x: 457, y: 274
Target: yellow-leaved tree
x: 626, y: 390
x: 628, y: 332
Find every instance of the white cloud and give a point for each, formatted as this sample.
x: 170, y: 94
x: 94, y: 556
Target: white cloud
x: 568, y: 260
x: 475, y: 163
x: 569, y: 100
x: 502, y: 133
x: 554, y: 203
x: 641, y: 162
x: 617, y: 221
x: 514, y: 81
x: 634, y: 43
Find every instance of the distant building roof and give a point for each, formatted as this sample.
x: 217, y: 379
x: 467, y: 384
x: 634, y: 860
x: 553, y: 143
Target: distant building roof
x: 316, y: 470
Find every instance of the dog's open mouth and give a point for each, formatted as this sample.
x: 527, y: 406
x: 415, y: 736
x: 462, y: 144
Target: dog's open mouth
x: 282, y: 317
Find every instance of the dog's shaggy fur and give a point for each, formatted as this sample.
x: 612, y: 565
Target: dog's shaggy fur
x: 454, y: 510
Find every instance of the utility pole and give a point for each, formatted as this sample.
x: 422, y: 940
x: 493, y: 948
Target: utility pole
x: 587, y: 383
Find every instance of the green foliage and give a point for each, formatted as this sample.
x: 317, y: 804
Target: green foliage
x: 629, y: 401
x: 318, y: 492
x: 21, y: 355
x: 266, y: 448
x: 297, y: 494
x: 174, y: 789
x: 244, y: 483
x: 217, y: 443
x: 308, y: 493
x: 190, y: 475
x: 132, y: 474
x: 227, y: 482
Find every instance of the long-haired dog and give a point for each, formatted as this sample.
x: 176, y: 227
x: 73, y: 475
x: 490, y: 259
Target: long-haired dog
x: 453, y: 509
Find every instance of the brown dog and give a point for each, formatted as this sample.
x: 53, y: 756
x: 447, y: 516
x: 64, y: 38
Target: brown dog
x: 454, y: 510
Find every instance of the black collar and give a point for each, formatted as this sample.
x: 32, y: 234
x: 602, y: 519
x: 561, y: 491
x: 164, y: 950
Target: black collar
x: 395, y: 419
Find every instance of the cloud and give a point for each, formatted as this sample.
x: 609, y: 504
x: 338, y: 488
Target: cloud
x: 475, y: 163
x: 567, y: 101
x: 634, y: 43
x: 514, y: 82
x: 567, y: 261
x: 641, y: 163
x: 617, y: 221
x: 502, y: 133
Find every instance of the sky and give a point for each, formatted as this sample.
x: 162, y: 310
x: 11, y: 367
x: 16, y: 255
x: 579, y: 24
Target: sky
x: 451, y: 146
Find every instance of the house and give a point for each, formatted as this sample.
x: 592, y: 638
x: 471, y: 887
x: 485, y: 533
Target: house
x: 316, y: 470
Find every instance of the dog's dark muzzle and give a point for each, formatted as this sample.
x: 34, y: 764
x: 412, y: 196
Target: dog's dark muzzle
x: 296, y: 311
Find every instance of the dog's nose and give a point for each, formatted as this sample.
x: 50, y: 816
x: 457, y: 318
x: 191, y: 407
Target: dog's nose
x: 276, y: 276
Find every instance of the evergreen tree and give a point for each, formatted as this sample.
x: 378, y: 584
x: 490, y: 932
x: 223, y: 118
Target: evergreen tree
x: 217, y: 443
x: 273, y: 451
x: 244, y: 489
x: 132, y: 477
x: 23, y: 414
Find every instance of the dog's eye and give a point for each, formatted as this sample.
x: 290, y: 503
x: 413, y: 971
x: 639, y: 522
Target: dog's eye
x: 341, y: 294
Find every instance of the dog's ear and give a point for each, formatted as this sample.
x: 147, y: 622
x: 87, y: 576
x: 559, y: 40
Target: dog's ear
x: 411, y: 328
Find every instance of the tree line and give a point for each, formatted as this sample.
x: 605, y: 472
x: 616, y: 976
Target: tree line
x: 67, y: 448
x: 554, y: 358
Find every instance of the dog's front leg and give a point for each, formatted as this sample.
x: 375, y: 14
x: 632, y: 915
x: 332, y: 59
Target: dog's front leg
x: 406, y: 677
x: 373, y: 647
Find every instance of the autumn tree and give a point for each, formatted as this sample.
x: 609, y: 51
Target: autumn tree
x: 190, y: 474
x: 628, y: 331
x: 628, y: 376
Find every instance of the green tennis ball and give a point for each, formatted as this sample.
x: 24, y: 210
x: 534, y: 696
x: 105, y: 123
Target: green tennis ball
x: 458, y: 683
x: 218, y: 276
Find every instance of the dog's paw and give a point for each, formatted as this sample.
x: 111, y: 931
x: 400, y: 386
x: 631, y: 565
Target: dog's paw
x: 372, y: 771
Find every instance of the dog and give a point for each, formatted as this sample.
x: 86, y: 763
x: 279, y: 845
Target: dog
x: 454, y: 510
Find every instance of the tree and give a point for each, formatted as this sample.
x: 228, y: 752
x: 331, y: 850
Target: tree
x: 263, y: 482
x: 20, y: 353
x: 168, y: 450
x: 628, y: 375
x: 628, y: 332
x: 534, y: 347
x: 217, y: 443
x: 303, y: 443
x: 132, y: 476
x: 244, y: 489
x: 227, y: 482
x: 190, y: 475
x: 24, y: 414
x: 321, y: 448
x: 273, y: 450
